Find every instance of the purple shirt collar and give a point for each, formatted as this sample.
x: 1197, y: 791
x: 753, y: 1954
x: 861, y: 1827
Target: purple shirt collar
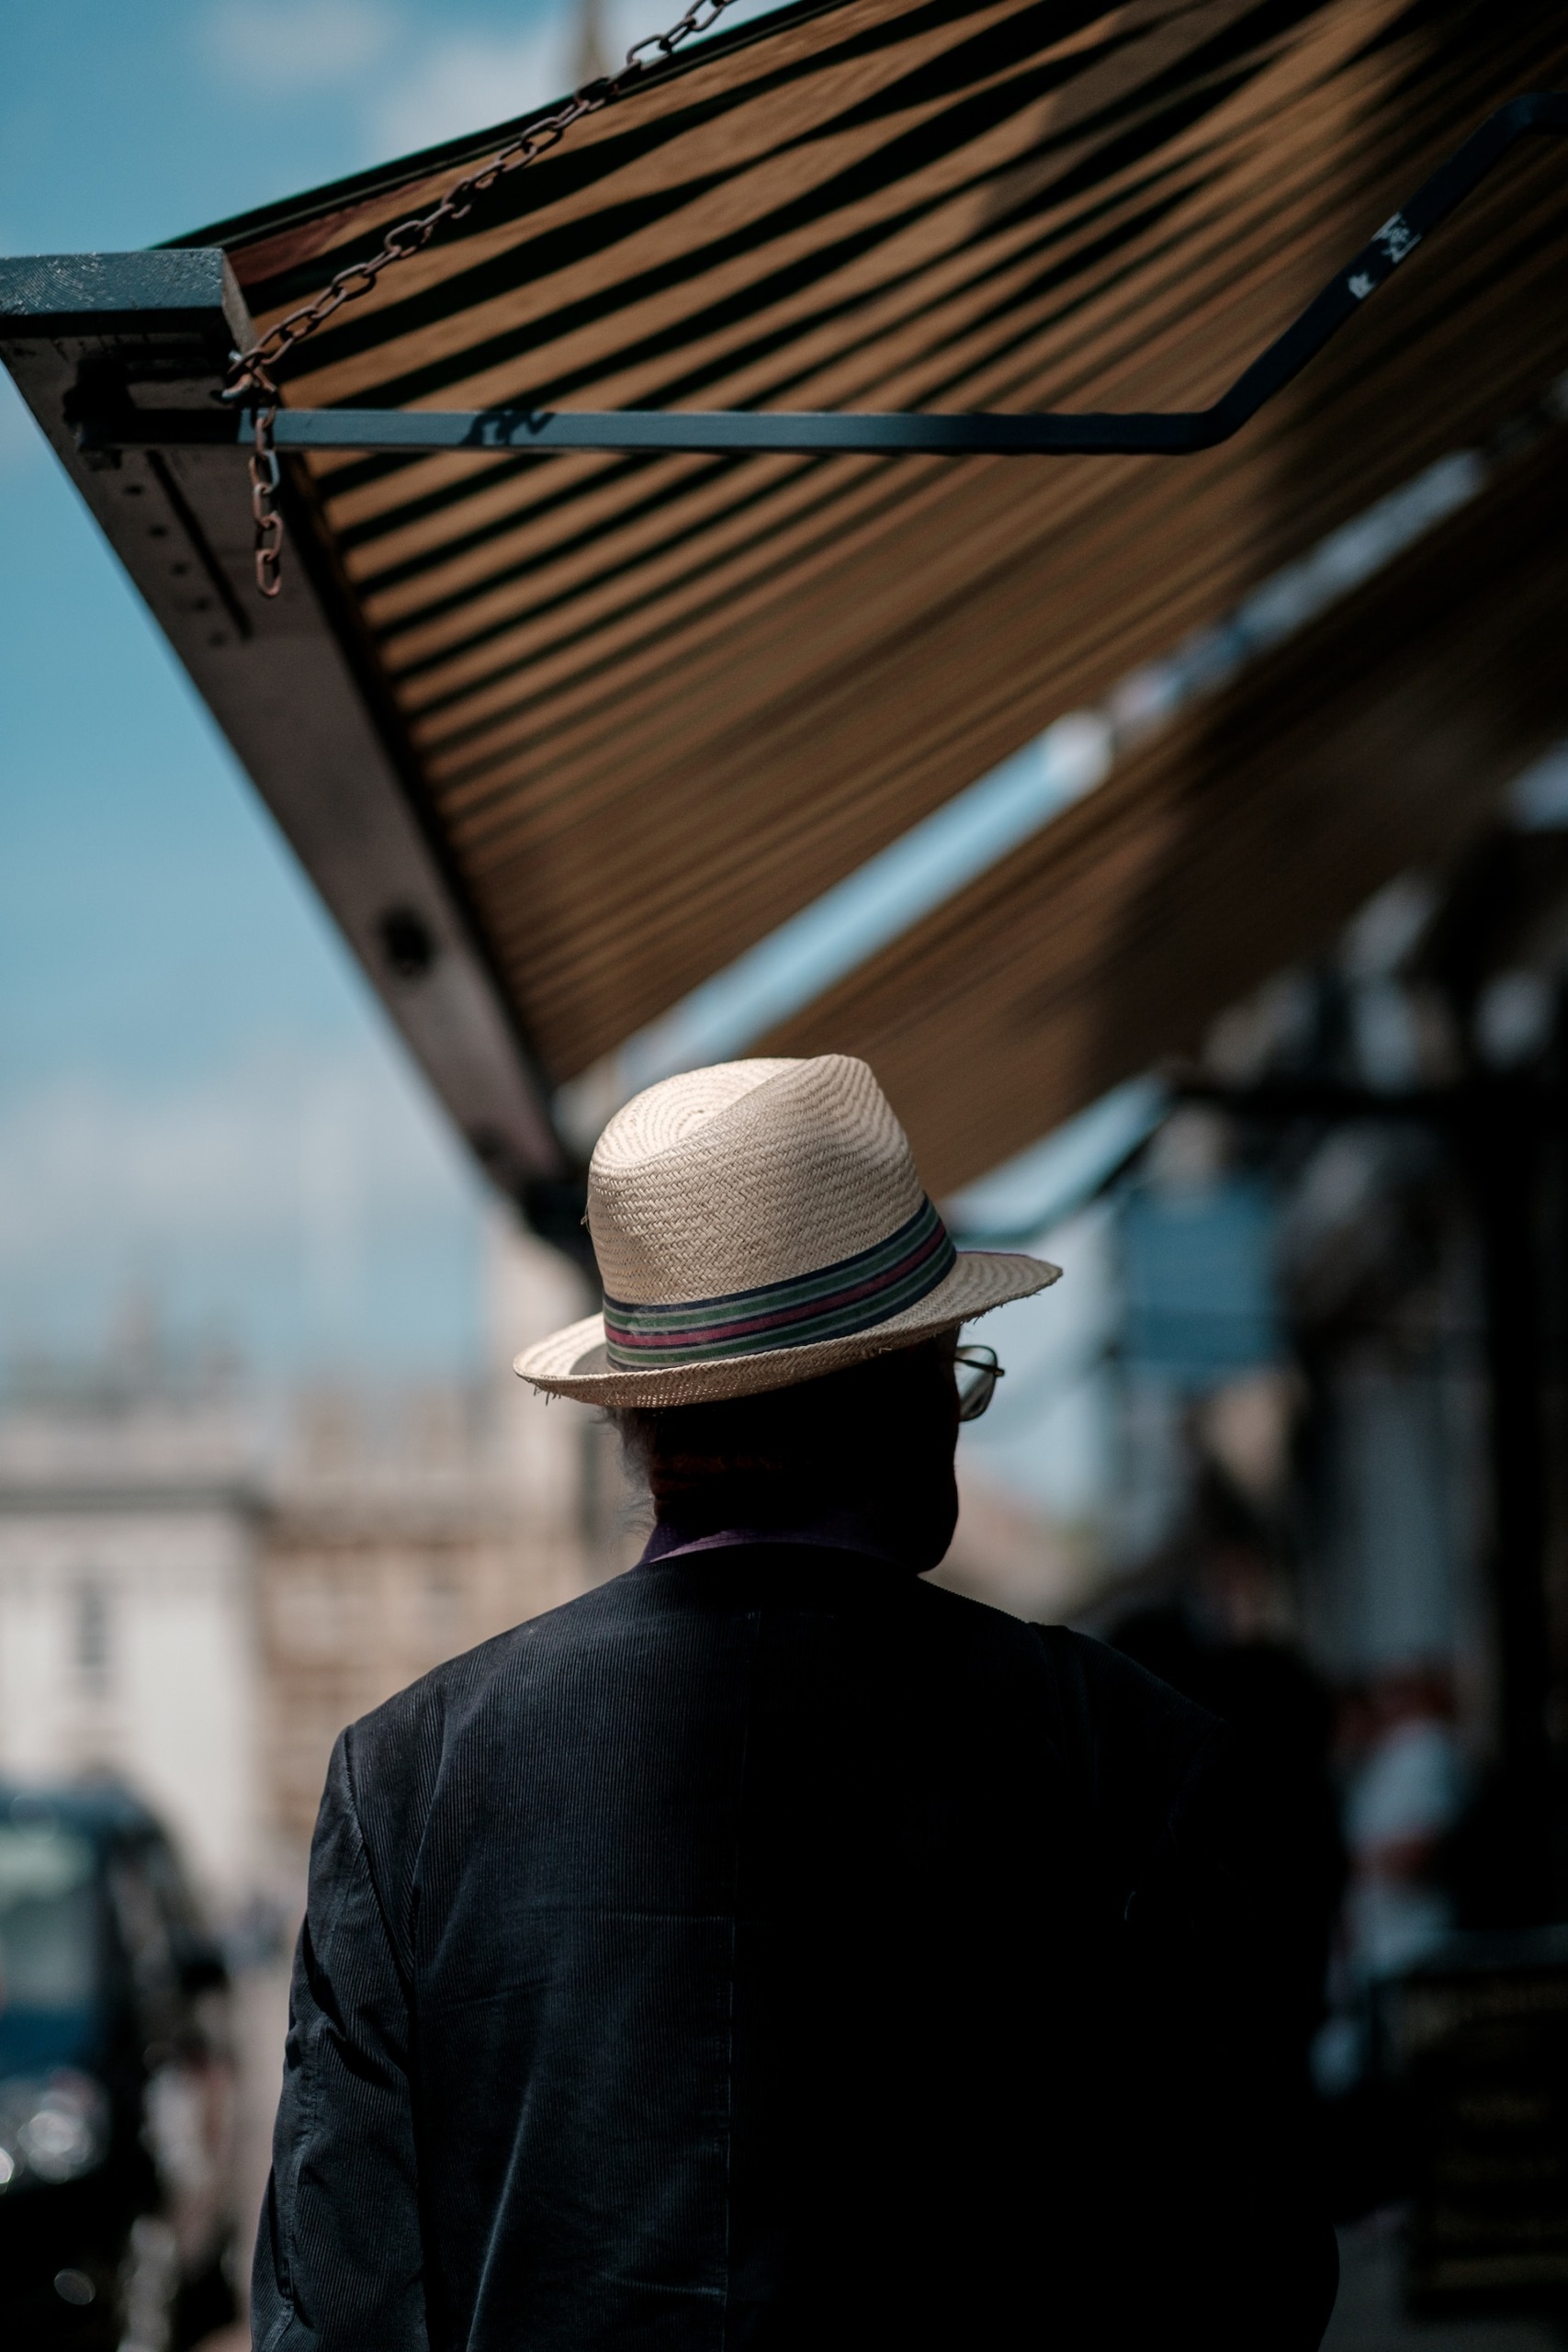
x: 833, y: 1530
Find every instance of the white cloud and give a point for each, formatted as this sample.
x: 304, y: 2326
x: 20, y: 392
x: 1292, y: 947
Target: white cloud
x: 472, y: 79
x: 418, y: 85
x: 291, y: 45
x: 470, y: 82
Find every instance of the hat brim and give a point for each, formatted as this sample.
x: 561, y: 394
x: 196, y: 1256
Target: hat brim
x: 572, y: 1362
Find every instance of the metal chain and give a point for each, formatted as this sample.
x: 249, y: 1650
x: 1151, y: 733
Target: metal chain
x: 264, y: 493
x: 253, y: 373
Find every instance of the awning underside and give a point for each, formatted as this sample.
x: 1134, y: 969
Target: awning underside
x: 654, y: 707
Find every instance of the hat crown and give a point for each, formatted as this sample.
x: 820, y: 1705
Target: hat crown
x: 749, y: 1173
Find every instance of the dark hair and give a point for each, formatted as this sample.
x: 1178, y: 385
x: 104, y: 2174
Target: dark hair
x: 876, y: 1438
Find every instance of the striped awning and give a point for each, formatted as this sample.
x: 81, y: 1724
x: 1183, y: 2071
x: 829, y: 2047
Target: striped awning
x: 649, y: 708
x: 1380, y: 740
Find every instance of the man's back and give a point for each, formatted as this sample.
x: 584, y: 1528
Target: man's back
x: 771, y: 1950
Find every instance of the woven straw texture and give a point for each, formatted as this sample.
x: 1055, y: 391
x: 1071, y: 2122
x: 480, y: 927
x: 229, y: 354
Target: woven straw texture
x: 730, y: 1179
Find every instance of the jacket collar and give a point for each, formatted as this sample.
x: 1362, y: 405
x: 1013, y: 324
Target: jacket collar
x: 833, y: 1530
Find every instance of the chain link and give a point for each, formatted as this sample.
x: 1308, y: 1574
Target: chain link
x: 253, y: 374
x: 264, y: 510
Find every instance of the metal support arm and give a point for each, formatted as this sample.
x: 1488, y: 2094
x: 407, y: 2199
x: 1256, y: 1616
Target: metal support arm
x: 735, y: 432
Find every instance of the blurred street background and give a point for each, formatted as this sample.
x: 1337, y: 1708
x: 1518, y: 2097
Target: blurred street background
x: 1291, y: 1430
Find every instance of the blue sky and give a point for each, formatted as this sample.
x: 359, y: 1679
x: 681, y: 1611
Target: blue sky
x: 124, y: 125
x: 199, y: 1101
x: 200, y: 1104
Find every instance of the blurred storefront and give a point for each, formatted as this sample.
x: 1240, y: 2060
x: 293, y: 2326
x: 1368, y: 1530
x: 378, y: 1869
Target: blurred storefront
x: 1335, y: 1368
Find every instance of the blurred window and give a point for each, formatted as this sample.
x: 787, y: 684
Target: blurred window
x: 93, y: 1648
x: 1198, y: 1269
x: 48, y: 1921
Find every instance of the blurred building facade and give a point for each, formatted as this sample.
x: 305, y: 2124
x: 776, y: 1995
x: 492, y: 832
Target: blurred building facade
x: 130, y: 1523
x: 199, y: 1587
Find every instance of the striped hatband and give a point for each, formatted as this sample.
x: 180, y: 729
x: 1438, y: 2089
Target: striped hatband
x: 852, y: 1295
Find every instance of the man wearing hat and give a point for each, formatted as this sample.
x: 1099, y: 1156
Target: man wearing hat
x: 770, y: 1949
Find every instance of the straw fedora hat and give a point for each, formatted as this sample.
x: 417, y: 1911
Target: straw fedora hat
x: 757, y: 1224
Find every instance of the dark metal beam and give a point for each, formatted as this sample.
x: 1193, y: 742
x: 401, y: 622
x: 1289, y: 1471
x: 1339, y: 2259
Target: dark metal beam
x: 129, y: 423
x: 285, y: 680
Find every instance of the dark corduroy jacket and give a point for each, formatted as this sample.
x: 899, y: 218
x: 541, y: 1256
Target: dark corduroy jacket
x: 771, y: 1950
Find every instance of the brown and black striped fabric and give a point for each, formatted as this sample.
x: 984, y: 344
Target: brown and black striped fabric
x: 656, y: 705
x: 1380, y: 740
